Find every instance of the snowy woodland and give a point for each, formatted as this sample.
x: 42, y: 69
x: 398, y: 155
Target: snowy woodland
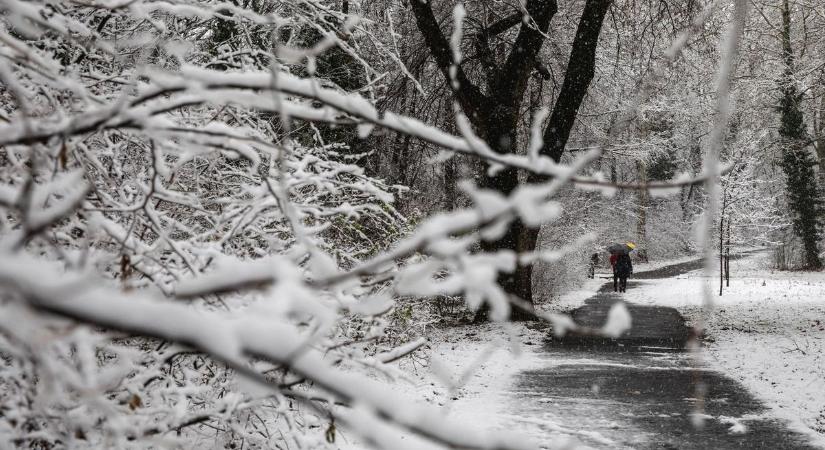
x: 246, y: 224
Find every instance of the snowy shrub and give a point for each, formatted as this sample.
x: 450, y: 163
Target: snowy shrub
x: 194, y: 254
x: 185, y: 260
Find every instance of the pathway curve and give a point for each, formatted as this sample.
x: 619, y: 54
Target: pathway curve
x: 638, y: 391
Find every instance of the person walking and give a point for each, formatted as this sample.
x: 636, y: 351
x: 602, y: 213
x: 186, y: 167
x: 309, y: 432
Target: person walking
x: 613, y: 258
x: 622, y: 266
x: 623, y: 270
x: 594, y: 262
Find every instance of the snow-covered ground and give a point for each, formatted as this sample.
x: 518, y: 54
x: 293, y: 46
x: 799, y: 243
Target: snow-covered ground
x: 767, y: 330
x: 659, y: 263
x: 576, y: 297
x: 466, y: 371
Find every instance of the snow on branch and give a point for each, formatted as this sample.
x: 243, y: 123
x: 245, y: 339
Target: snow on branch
x: 186, y: 181
x: 228, y: 339
x: 166, y: 92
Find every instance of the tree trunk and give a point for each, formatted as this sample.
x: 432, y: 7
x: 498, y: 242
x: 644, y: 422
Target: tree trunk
x: 581, y: 68
x: 727, y: 256
x: 643, y: 203
x: 450, y: 197
x: 819, y: 138
x: 797, y: 162
x: 518, y: 237
x: 495, y: 114
x: 519, y: 283
x: 721, y: 254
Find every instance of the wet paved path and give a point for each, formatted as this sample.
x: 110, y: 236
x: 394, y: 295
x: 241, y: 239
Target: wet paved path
x: 638, y: 391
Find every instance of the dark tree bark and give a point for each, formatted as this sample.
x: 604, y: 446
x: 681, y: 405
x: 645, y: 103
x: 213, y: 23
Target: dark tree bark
x: 819, y: 139
x: 580, y: 71
x: 797, y: 161
x: 495, y: 115
x: 468, y: 95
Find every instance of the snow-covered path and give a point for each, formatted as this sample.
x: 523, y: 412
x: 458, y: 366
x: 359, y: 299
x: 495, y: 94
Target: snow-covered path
x: 631, y: 396
x: 639, y: 399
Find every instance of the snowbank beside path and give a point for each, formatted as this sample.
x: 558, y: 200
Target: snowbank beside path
x: 575, y: 298
x: 588, y: 288
x: 767, y: 330
x: 658, y: 264
x: 465, y: 371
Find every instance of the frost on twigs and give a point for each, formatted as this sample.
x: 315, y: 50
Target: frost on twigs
x: 194, y: 247
x: 188, y: 253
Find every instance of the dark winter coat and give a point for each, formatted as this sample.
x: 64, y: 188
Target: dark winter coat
x: 623, y: 267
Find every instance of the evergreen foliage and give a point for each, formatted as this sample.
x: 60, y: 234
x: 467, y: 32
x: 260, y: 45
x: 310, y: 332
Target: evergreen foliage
x: 802, y: 192
x: 797, y: 161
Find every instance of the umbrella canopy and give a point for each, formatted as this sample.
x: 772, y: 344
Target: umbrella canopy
x: 621, y: 249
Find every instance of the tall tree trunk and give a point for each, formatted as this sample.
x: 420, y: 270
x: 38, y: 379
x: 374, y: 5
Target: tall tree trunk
x: 727, y: 255
x: 450, y: 195
x: 495, y: 114
x: 643, y: 203
x: 819, y: 137
x: 518, y: 237
x: 721, y: 253
x: 581, y: 67
x: 451, y: 169
x: 691, y: 193
x: 797, y: 161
